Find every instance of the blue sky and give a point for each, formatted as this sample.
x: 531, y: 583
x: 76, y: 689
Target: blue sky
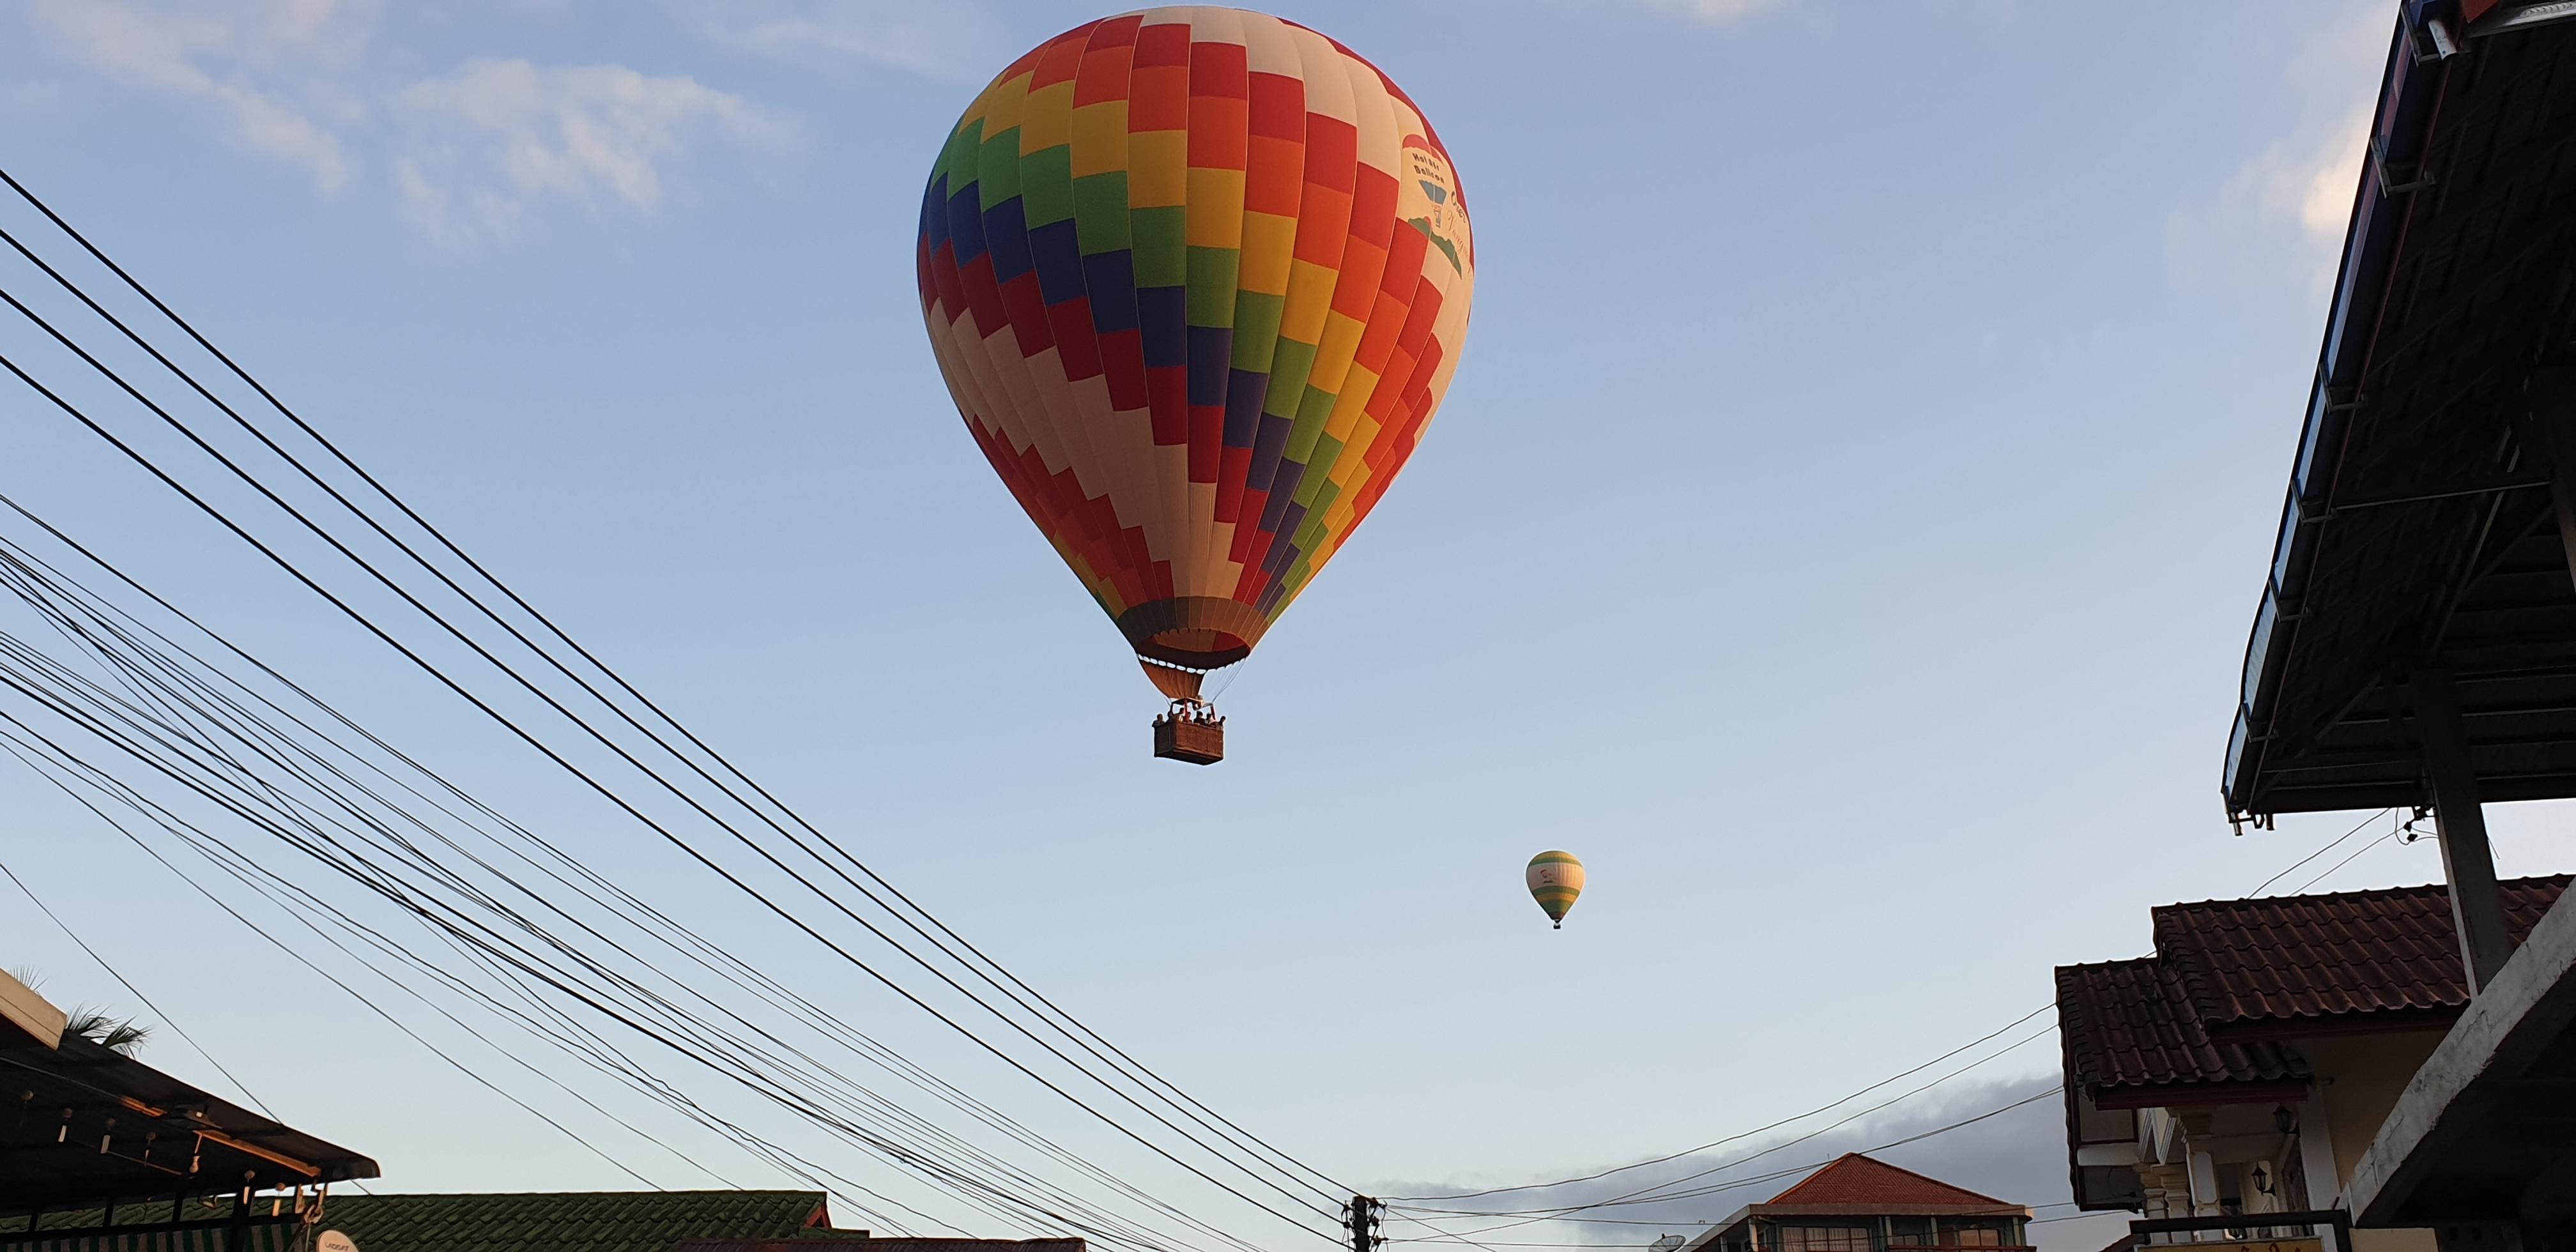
x: 1841, y: 533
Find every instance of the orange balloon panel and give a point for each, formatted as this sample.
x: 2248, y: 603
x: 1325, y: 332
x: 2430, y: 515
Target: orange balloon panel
x: 1197, y: 278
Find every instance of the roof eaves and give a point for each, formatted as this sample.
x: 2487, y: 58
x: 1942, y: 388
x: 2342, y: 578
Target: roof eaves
x: 2197, y: 1094
x: 2399, y: 130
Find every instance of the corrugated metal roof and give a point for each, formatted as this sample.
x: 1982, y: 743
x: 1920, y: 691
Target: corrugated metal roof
x: 2417, y: 531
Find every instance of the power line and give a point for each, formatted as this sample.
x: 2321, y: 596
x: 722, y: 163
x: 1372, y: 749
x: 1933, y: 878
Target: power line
x: 1746, y: 1134
x: 628, y: 757
x: 1661, y: 1193
x: 1081, y: 1035
x: 245, y: 871
x: 674, y: 838
x: 1772, y: 1176
x: 1539, y: 1186
x: 2338, y: 842
x: 2356, y: 855
x: 20, y: 748
x: 1564, y: 1214
x: 378, y: 881
x: 695, y: 949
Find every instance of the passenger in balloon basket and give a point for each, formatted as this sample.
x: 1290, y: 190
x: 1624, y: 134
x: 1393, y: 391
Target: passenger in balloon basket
x: 1190, y: 731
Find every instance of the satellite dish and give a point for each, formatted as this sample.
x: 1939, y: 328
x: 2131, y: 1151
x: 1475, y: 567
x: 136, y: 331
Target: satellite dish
x: 334, y: 1241
x: 1665, y: 1243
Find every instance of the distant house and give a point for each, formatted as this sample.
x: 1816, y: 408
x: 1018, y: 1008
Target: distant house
x: 102, y: 1153
x: 1861, y: 1204
x: 577, y: 1221
x: 542, y: 1221
x: 626, y: 1221
x: 2246, y: 1066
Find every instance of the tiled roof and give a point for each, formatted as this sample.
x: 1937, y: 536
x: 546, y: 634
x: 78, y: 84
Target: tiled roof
x: 2231, y: 977
x: 602, y: 1221
x: 2129, y: 1024
x: 2251, y: 963
x: 1853, y: 1179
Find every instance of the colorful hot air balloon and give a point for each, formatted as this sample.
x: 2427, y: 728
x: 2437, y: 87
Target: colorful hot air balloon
x: 1197, y: 279
x: 1555, y: 879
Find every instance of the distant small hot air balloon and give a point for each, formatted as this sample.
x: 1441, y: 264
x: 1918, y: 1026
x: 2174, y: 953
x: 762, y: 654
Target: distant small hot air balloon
x: 1555, y: 879
x: 1197, y: 278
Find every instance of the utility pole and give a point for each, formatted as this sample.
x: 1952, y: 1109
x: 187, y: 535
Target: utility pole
x: 1363, y: 1219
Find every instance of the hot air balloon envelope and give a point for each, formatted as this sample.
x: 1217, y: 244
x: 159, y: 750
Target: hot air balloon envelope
x: 1555, y: 879
x: 1197, y: 279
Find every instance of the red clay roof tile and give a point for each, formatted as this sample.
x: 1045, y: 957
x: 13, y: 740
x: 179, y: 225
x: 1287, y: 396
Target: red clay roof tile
x: 2250, y: 962
x: 2230, y: 975
x: 1856, y: 1179
x: 2128, y: 1024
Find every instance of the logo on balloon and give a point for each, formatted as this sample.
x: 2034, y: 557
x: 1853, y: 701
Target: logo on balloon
x: 1429, y: 202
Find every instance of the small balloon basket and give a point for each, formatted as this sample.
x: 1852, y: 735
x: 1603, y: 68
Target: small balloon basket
x: 1191, y: 731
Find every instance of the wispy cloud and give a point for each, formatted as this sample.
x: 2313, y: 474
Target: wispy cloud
x: 2286, y: 206
x: 474, y: 157
x: 486, y: 150
x: 229, y: 55
x: 2307, y: 181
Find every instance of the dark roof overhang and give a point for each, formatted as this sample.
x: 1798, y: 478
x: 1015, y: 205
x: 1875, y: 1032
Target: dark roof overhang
x: 2177, y: 1095
x: 2419, y: 532
x: 83, y: 1124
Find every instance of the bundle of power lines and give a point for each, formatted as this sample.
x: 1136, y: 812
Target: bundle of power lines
x: 325, y: 837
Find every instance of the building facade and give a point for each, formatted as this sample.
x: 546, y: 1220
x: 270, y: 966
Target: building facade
x: 2246, y: 1066
x: 1861, y: 1204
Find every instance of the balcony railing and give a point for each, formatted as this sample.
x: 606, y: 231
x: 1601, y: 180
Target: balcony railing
x: 2253, y: 1232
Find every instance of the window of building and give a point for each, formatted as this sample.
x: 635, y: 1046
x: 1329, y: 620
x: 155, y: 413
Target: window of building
x: 1824, y: 1239
x: 1914, y: 1233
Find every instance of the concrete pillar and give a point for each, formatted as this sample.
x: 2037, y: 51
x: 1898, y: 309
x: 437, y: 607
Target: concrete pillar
x: 2317, y: 1156
x: 2204, y: 1185
x: 2468, y: 863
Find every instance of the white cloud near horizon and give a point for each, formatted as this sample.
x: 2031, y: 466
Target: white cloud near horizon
x: 2017, y: 1155
x: 489, y: 148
